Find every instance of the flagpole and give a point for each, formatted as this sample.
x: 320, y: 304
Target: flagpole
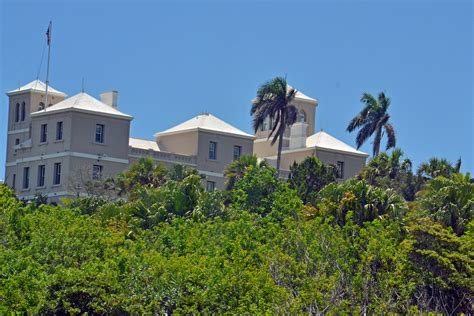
x: 49, y: 55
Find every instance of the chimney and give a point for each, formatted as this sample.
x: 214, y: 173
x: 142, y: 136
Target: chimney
x: 298, y: 135
x: 110, y: 98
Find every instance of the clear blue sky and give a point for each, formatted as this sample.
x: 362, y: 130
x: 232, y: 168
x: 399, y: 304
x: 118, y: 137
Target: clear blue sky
x: 173, y: 60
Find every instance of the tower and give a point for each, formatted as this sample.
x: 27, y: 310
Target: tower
x: 306, y: 122
x: 22, y: 102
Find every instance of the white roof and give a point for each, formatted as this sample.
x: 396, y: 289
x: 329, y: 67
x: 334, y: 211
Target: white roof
x: 143, y: 144
x: 300, y: 95
x: 325, y: 141
x: 205, y: 122
x: 36, y: 85
x: 82, y: 102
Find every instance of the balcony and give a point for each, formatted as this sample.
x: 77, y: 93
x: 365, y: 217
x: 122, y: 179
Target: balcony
x: 162, y: 156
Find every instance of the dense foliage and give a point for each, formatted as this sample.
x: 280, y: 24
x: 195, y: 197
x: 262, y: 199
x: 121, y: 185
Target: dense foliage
x: 262, y: 246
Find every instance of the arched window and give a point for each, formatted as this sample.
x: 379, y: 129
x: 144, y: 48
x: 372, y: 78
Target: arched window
x: 301, y: 116
x: 23, y: 111
x: 17, y: 112
x: 41, y: 106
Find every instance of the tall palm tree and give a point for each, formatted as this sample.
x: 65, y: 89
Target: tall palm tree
x: 373, y: 118
x: 273, y: 100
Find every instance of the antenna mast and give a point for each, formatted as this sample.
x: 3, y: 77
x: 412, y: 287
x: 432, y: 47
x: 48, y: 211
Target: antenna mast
x: 48, y: 35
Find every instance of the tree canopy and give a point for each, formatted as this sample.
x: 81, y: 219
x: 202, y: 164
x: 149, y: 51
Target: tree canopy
x: 308, y: 245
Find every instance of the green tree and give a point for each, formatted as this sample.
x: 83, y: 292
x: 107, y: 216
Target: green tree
x: 236, y: 169
x: 449, y: 201
x: 254, y: 192
x: 436, y: 167
x: 365, y: 201
x: 273, y: 101
x: 142, y: 173
x: 442, y: 265
x: 310, y: 176
x: 391, y: 171
x: 373, y: 118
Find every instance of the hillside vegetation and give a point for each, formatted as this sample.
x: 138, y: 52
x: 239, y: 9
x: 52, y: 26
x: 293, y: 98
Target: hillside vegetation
x: 387, y: 241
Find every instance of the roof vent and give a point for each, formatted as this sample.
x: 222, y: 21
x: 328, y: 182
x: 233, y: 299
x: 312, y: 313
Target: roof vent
x: 110, y: 98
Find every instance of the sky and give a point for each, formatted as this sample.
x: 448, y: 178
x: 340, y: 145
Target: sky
x: 173, y: 60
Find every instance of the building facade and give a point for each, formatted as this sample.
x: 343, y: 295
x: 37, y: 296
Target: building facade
x: 55, y: 149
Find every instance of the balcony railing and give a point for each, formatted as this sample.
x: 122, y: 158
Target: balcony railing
x: 163, y: 156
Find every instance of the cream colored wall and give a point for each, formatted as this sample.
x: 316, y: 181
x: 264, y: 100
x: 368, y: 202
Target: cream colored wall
x: 48, y: 188
x: 183, y: 143
x: 262, y: 146
x: 83, y: 135
x: 32, y: 101
x: 287, y: 159
x: 225, y: 150
x: 352, y: 164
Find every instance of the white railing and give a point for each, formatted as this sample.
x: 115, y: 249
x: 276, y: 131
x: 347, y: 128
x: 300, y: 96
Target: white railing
x: 164, y: 156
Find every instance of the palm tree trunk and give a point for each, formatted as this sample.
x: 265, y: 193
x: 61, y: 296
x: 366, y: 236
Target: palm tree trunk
x: 280, y: 145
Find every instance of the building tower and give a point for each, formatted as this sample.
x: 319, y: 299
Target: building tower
x: 22, y: 102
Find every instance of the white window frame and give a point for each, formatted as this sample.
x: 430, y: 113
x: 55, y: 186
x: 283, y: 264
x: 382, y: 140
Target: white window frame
x: 97, y: 172
x: 340, y: 169
x: 44, y: 133
x: 99, y: 136
x: 41, y: 175
x: 212, y: 150
x: 210, y: 186
x: 59, y: 130
x: 239, y: 148
x: 57, y: 173
x: 26, y: 178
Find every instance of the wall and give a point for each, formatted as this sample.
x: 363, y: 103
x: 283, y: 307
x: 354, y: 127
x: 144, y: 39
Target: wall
x: 115, y: 137
x: 225, y: 150
x: 352, y: 163
x: 182, y: 143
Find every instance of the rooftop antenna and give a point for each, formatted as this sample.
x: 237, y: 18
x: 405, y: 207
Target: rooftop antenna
x: 48, y: 36
x: 82, y: 89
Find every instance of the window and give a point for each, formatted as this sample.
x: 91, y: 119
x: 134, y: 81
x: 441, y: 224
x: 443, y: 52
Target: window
x: 97, y: 172
x: 41, y: 106
x: 17, y: 112
x: 14, y: 181
x: 17, y: 141
x: 340, y: 169
x: 41, y: 173
x: 237, y: 151
x: 213, y: 150
x: 210, y: 186
x: 59, y: 130
x: 267, y: 124
x: 301, y: 116
x: 26, y: 177
x: 44, y: 132
x: 23, y: 111
x: 57, y: 173
x: 99, y: 133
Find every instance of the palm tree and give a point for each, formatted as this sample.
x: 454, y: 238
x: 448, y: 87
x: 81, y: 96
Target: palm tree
x: 237, y: 168
x: 273, y: 100
x: 438, y: 167
x: 373, y: 119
